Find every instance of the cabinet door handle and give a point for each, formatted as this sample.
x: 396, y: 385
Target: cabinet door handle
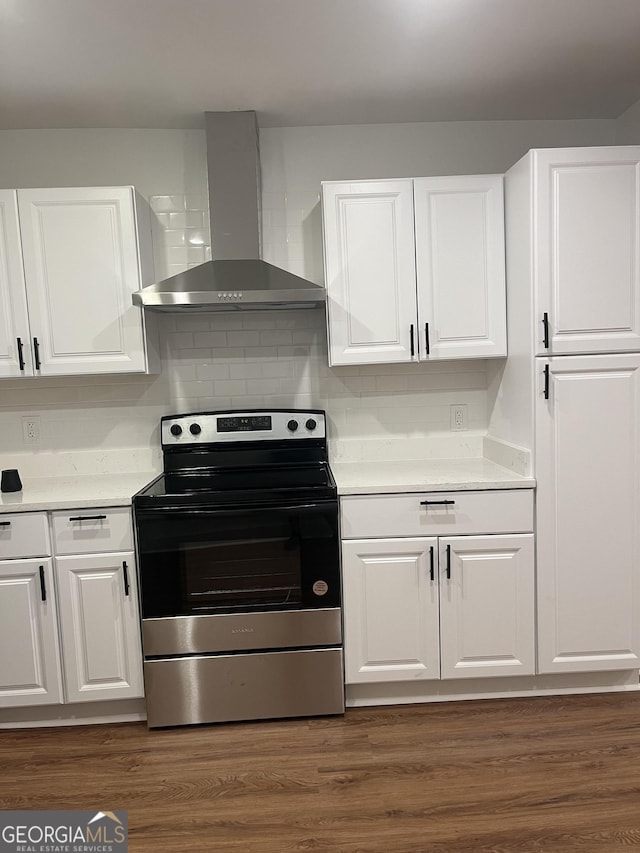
x: 43, y: 586
x: 435, y: 503
x: 36, y: 352
x: 125, y: 575
x: 412, y: 343
x: 545, y: 327
x: 87, y: 517
x: 5, y: 524
x: 448, y: 565
x: 432, y: 570
x: 426, y: 338
x: 20, y: 355
x: 546, y: 382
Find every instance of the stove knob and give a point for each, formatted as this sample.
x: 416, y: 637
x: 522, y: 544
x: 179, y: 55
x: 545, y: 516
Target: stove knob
x: 176, y: 430
x: 195, y: 429
x: 311, y: 424
x: 292, y: 426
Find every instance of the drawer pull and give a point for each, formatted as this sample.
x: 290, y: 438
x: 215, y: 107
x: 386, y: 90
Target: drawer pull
x: 125, y: 575
x: 43, y: 587
x: 5, y: 524
x: 435, y: 503
x: 448, y: 565
x: 87, y: 517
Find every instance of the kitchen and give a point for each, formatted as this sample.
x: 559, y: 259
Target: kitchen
x: 97, y: 425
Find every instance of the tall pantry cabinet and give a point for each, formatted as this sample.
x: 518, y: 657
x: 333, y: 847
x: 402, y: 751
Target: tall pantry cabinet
x: 571, y: 391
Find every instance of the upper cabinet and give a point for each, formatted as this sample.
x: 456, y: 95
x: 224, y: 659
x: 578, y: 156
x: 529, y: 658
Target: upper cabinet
x: 414, y: 269
x: 587, y: 234
x: 69, y: 261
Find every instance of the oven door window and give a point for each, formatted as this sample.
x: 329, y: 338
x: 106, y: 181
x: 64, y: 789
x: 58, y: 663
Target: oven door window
x: 202, y: 561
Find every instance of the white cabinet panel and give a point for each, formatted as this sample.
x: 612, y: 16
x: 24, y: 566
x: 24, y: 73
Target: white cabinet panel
x: 391, y: 610
x: 29, y: 663
x: 15, y: 351
x: 460, y: 266
x: 588, y: 249
x: 587, y: 457
x: 487, y: 606
x: 369, y: 271
x: 99, y: 625
x: 81, y: 267
x: 89, y: 531
x: 24, y: 534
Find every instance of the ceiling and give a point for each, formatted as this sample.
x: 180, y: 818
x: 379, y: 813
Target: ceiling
x: 162, y: 63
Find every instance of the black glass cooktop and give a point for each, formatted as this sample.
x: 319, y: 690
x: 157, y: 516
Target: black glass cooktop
x: 256, y: 485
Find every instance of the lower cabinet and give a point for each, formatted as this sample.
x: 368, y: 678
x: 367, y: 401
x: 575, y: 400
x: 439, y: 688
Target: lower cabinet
x: 69, y: 623
x: 419, y: 607
x: 29, y: 660
x: 458, y: 607
x: 99, y: 627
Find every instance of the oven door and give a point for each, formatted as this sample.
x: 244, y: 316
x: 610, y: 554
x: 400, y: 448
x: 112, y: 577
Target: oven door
x: 201, y: 561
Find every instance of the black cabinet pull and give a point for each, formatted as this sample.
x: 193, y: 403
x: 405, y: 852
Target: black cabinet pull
x: 87, y: 517
x: 20, y: 355
x: 125, y: 575
x: 5, y: 524
x: 545, y: 326
x: 435, y: 503
x: 448, y: 566
x: 36, y: 352
x: 412, y: 344
x: 426, y: 337
x: 546, y: 382
x: 43, y: 588
x: 432, y: 571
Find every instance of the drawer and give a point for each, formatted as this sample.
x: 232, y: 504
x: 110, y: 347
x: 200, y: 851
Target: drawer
x: 378, y: 516
x: 92, y: 531
x: 24, y: 534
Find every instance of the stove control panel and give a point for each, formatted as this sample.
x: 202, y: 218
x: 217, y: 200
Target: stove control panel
x: 209, y: 427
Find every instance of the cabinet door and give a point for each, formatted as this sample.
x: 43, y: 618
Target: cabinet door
x: 369, y: 256
x: 588, y: 249
x: 460, y: 266
x: 81, y: 267
x: 487, y: 599
x: 588, y: 536
x: 15, y: 351
x: 99, y: 625
x: 29, y: 662
x: 390, y: 609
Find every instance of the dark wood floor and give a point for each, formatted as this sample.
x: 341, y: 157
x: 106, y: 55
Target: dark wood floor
x: 505, y: 776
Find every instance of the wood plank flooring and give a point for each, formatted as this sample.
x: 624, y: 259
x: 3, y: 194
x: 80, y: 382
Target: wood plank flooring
x: 556, y: 774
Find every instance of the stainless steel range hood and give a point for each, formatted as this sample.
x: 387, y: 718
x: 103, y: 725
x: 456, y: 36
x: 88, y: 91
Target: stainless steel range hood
x: 237, y: 279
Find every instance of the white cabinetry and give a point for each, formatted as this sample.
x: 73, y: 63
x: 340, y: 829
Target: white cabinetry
x: 573, y: 395
x: 30, y: 661
x: 69, y: 261
x: 441, y: 606
x: 588, y: 452
x: 381, y: 308
x: 71, y: 623
x: 587, y: 251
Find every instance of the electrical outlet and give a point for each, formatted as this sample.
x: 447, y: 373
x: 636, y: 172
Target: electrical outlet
x: 459, y: 417
x: 31, y: 429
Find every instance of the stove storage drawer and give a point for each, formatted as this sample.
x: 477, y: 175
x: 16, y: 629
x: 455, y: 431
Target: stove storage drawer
x: 92, y: 530
x: 437, y: 514
x: 24, y: 534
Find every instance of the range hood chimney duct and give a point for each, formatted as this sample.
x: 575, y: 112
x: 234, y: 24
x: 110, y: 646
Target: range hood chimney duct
x: 236, y: 278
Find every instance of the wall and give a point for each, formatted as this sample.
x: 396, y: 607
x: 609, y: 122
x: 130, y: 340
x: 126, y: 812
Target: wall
x: 628, y: 126
x: 272, y: 358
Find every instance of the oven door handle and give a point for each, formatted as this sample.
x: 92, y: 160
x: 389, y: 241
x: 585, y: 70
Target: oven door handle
x: 172, y: 512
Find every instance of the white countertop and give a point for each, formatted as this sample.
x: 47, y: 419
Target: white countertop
x: 97, y: 490
x: 430, y: 475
